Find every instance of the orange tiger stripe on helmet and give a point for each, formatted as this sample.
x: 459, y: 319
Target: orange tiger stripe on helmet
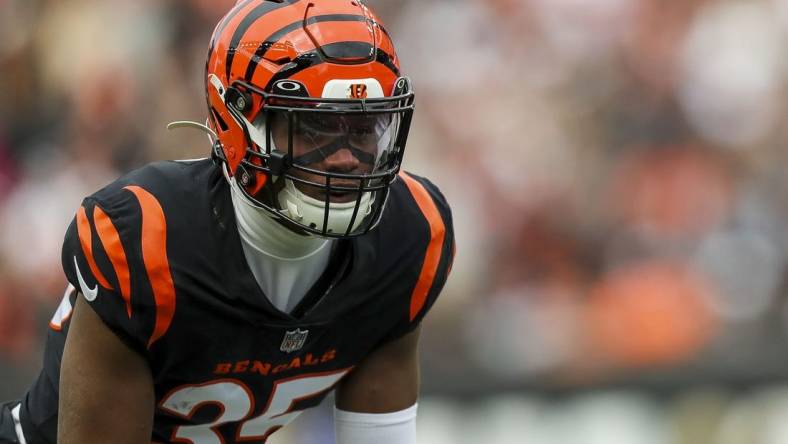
x: 154, y: 254
x: 269, y: 29
x: 281, y: 41
x: 230, y: 17
x: 86, y: 240
x: 337, y: 31
x: 333, y: 33
x: 251, y: 29
x: 110, y: 239
x: 325, y: 32
x: 433, y: 256
x: 262, y: 21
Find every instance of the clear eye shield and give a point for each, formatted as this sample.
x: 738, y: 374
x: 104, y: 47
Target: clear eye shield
x: 317, y: 137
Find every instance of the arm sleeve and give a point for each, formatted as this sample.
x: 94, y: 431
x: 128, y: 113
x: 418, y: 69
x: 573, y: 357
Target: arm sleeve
x: 95, y: 262
x: 376, y: 428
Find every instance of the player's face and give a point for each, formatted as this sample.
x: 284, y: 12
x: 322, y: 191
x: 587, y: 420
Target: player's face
x: 332, y: 143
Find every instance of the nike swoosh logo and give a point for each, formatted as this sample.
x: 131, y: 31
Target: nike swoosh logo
x: 90, y: 293
x: 18, y: 424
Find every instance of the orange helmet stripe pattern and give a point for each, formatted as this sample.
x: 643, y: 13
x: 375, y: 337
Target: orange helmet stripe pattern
x: 347, y: 30
x: 265, y: 45
x: 110, y: 240
x: 154, y: 255
x: 225, y: 21
x: 248, y: 20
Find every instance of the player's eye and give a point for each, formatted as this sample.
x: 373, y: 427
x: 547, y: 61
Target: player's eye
x: 321, y: 125
x: 362, y: 131
x: 369, y: 125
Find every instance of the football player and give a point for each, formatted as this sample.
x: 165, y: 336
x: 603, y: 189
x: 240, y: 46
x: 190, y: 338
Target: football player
x: 211, y: 301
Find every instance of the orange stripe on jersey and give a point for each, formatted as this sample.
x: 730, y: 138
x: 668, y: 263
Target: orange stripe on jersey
x: 433, y: 256
x: 154, y: 254
x: 86, y: 240
x: 110, y: 239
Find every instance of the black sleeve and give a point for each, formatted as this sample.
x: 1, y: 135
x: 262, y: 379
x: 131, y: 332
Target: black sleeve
x: 96, y: 262
x: 435, y: 256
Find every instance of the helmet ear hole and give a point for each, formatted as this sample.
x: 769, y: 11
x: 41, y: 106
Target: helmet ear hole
x: 238, y: 99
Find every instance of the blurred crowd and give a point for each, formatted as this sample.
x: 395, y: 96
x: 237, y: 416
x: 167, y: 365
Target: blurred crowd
x: 616, y: 170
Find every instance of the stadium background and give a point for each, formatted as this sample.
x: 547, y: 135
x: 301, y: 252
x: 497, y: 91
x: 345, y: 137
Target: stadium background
x: 616, y: 169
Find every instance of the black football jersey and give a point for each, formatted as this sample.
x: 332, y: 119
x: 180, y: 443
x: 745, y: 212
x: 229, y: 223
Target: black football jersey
x: 158, y: 256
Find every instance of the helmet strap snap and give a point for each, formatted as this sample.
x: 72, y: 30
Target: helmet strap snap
x: 242, y: 101
x: 245, y: 178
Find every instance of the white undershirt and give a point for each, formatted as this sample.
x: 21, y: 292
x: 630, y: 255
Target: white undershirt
x: 285, y: 264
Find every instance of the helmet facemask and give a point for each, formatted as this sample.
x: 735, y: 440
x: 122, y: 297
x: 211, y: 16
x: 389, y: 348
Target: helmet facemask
x: 328, y: 162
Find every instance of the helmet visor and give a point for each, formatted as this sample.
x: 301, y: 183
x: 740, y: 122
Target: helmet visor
x: 336, y: 143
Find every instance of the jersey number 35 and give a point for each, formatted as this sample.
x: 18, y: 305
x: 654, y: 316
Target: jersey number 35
x: 236, y: 403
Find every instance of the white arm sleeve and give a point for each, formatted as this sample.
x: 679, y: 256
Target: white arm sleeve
x: 376, y: 428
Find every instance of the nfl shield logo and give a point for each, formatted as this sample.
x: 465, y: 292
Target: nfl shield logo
x: 293, y: 340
